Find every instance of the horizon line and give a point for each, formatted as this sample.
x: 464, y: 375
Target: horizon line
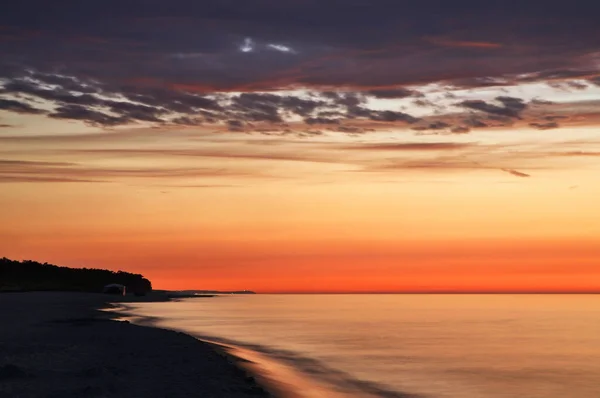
x: 449, y: 292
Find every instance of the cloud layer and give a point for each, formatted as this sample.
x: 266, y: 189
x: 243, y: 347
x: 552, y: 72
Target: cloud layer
x: 209, y: 62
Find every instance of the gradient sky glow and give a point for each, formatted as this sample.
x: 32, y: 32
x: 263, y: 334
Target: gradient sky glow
x: 305, y: 146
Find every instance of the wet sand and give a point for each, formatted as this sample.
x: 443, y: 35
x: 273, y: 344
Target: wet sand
x: 59, y: 345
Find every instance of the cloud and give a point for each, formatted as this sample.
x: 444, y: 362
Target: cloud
x: 410, y: 146
x: 545, y: 126
x: 78, y: 112
x: 475, y: 122
x: 18, y: 107
x: 435, y: 125
x: 541, y: 102
x: 510, y: 106
x: 440, y: 163
x: 461, y: 130
x: 280, y: 48
x: 220, y: 153
x: 320, y: 120
x: 464, y: 44
x: 28, y: 163
x: 61, y: 95
x: 33, y: 171
x: 481, y: 82
x: 391, y: 93
x: 577, y: 153
x: 21, y: 171
x: 554, y: 75
x: 21, y: 179
x: 130, y: 111
x: 516, y: 173
x: 188, y: 63
x: 235, y: 125
x: 391, y: 116
x: 187, y: 121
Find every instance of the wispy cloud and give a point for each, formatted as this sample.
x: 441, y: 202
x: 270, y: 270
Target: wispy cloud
x: 31, y: 171
x: 516, y: 173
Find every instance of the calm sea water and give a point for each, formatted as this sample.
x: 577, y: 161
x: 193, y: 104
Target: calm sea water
x: 446, y: 346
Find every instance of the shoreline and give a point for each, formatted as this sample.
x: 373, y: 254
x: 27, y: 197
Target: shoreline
x: 279, y: 376
x: 63, y: 344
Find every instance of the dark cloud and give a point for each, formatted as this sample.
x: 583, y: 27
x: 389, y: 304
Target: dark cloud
x: 300, y: 106
x: 572, y: 85
x: 351, y: 129
x: 553, y: 118
x: 478, y: 82
x: 595, y: 80
x: 320, y: 120
x: 330, y: 114
x: 89, y: 116
x: 130, y: 111
x: 516, y: 173
x: 187, y: 121
x: 392, y: 116
x: 423, y: 103
x: 460, y: 130
x: 577, y: 85
x: 199, y: 45
x: 150, y: 107
x: 154, y: 61
x: 510, y: 107
x: 348, y: 100
x: 18, y: 107
x: 67, y: 83
x: 391, y: 93
x: 172, y: 100
x: 257, y: 107
x: 235, y: 125
x: 435, y: 125
x: 475, y: 122
x: 545, y: 126
x: 557, y: 75
x: 360, y: 112
x: 538, y: 101
x: 60, y: 95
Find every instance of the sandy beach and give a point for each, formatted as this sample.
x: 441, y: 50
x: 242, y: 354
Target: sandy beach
x: 60, y: 345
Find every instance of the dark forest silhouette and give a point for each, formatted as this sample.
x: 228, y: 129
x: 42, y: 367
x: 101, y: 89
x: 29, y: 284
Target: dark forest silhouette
x: 30, y: 275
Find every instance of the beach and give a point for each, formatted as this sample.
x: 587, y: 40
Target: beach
x: 55, y: 344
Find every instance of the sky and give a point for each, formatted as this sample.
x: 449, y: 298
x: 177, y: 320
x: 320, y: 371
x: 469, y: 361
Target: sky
x: 305, y: 146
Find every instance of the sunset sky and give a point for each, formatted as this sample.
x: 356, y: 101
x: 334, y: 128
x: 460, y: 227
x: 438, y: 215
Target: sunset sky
x: 305, y: 146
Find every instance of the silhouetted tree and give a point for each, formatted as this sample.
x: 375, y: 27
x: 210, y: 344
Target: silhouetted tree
x: 30, y: 275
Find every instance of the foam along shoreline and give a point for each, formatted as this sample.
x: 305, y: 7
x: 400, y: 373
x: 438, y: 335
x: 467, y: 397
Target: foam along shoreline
x: 59, y: 345
x: 281, y: 379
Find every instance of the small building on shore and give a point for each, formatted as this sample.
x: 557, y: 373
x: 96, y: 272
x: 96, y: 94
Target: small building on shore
x: 115, y: 288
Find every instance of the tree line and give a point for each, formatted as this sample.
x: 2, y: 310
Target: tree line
x: 31, y: 276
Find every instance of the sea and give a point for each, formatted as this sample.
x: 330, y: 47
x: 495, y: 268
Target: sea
x: 400, y: 345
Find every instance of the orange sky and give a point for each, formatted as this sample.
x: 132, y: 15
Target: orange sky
x: 277, y: 147
x: 279, y: 215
